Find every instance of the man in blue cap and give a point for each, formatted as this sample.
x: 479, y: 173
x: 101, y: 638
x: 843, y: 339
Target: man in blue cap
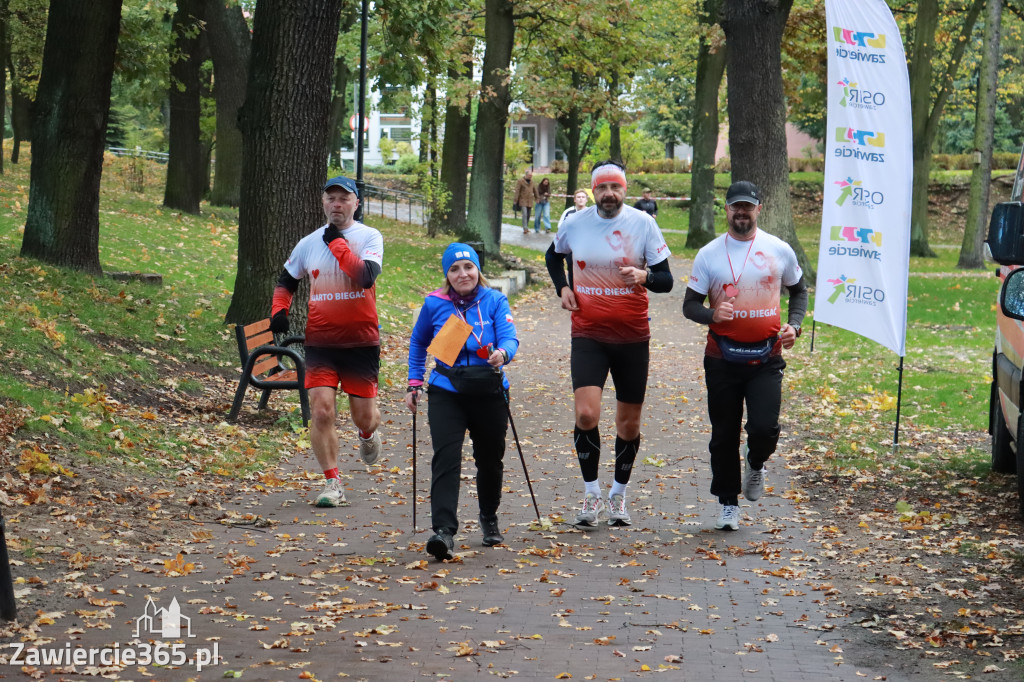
x: 343, y: 259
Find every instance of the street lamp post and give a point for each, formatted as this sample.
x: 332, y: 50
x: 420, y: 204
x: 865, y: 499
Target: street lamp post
x: 361, y: 124
x: 8, y: 610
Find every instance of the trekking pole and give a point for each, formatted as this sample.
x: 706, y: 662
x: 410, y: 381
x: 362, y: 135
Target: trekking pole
x: 508, y: 409
x: 414, y: 471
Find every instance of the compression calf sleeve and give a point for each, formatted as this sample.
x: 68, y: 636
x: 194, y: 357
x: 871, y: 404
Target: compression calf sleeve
x: 625, y: 455
x: 588, y: 451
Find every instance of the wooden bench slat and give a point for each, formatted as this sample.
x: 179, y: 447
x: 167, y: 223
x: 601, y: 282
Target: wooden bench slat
x: 264, y: 365
x: 256, y: 327
x: 261, y: 339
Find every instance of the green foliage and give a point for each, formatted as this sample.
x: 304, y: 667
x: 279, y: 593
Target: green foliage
x: 637, y: 146
x: 387, y: 149
x: 407, y: 163
x: 517, y: 157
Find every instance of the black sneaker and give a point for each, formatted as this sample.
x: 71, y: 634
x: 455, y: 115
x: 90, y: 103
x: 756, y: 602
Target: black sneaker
x: 441, y: 545
x: 489, y: 527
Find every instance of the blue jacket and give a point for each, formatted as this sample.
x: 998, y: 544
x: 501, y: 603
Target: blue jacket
x: 491, y: 318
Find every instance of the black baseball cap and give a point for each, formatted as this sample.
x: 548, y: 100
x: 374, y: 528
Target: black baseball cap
x: 347, y: 184
x: 743, y: 190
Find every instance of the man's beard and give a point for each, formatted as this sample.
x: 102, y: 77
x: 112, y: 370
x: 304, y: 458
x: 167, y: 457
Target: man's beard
x: 616, y: 206
x: 745, y: 229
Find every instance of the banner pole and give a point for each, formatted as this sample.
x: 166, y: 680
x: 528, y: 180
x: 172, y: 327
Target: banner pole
x: 813, y: 322
x: 899, y: 399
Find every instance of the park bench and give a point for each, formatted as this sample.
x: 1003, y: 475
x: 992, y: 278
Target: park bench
x: 262, y: 368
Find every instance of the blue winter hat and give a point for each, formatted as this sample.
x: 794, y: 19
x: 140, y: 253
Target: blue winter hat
x: 457, y: 252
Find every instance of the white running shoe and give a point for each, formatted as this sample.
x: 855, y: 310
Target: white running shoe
x: 729, y: 519
x: 618, y: 515
x: 593, y: 505
x: 369, y: 448
x: 332, y: 495
x: 753, y: 480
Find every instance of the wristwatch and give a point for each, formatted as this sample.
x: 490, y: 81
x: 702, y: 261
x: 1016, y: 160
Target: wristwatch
x: 797, y: 328
x: 648, y: 278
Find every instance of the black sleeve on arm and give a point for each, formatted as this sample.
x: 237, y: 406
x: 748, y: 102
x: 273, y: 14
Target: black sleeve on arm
x: 370, y: 272
x: 288, y: 282
x: 797, y: 302
x: 694, y: 308
x: 556, y: 268
x: 660, y: 280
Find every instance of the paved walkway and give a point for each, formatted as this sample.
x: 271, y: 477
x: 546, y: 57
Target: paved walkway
x: 295, y: 592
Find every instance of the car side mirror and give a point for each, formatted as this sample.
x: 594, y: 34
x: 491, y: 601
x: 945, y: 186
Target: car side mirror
x: 1006, y: 234
x: 1011, y: 298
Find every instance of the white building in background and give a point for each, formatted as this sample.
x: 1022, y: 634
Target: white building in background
x: 400, y: 126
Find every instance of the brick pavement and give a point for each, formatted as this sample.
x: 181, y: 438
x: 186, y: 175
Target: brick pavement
x: 350, y: 593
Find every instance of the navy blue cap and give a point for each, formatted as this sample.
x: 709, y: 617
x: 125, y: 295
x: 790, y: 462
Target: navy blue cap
x: 347, y: 184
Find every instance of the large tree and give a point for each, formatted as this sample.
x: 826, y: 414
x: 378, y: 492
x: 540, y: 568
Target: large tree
x: 710, y: 68
x: 4, y: 52
x: 72, y: 106
x: 486, y: 191
x: 449, y: 210
x: 284, y: 128
x: 984, y: 123
x: 229, y: 47
x: 757, y: 110
x: 185, y: 180
x: 926, y: 109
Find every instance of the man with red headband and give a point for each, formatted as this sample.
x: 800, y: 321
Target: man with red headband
x: 343, y: 259
x: 618, y: 253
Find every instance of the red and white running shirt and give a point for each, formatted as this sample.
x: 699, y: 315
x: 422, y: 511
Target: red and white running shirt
x: 342, y: 314
x: 757, y: 269
x: 610, y: 310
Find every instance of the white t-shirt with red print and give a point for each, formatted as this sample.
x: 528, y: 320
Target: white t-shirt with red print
x: 754, y: 271
x: 610, y: 310
x: 342, y: 314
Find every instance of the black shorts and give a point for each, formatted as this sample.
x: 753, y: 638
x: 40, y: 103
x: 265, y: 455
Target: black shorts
x: 628, y: 363
x: 354, y: 369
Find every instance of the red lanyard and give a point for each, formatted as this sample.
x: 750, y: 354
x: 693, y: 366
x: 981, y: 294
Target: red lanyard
x: 735, y: 279
x: 479, y: 337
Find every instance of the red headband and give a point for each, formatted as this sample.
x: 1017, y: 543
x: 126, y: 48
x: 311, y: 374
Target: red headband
x: 609, y: 172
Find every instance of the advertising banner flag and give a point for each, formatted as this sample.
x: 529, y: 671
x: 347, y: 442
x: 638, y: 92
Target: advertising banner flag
x: 864, y: 254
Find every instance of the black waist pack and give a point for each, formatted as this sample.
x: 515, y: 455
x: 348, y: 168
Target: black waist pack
x: 745, y: 352
x: 473, y: 379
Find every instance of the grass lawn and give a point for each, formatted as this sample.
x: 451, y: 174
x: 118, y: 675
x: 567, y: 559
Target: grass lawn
x: 81, y: 349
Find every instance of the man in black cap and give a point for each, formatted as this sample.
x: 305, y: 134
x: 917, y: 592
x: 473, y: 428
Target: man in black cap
x: 743, y: 272
x: 343, y: 259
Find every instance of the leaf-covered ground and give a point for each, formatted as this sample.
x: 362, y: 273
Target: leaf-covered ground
x: 903, y: 571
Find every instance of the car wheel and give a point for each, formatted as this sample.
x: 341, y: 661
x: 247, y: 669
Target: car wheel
x: 1004, y: 461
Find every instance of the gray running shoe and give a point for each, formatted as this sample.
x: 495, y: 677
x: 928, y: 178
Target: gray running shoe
x: 617, y: 513
x: 369, y: 448
x: 593, y: 505
x: 729, y: 519
x: 332, y: 495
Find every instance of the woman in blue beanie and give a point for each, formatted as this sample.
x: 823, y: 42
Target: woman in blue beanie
x: 467, y: 395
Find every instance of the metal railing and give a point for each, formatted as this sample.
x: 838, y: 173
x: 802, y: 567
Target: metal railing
x: 395, y: 203
x: 141, y: 153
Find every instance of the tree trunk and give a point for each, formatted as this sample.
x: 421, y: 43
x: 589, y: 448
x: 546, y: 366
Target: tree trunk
x: 284, y: 137
x: 229, y: 46
x: 573, y: 129
x: 72, y: 106
x: 925, y: 113
x: 184, y: 185
x: 984, y: 124
x: 449, y: 213
x: 757, y: 111
x: 486, y: 190
x: 21, y: 118
x: 614, y: 130
x: 4, y: 58
x: 710, y: 68
x: 341, y: 98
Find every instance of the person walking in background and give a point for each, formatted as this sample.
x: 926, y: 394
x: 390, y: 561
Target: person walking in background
x: 342, y: 342
x: 647, y: 204
x: 579, y: 202
x: 743, y: 272
x: 467, y: 391
x: 542, y: 194
x: 524, y: 197
x: 618, y: 254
